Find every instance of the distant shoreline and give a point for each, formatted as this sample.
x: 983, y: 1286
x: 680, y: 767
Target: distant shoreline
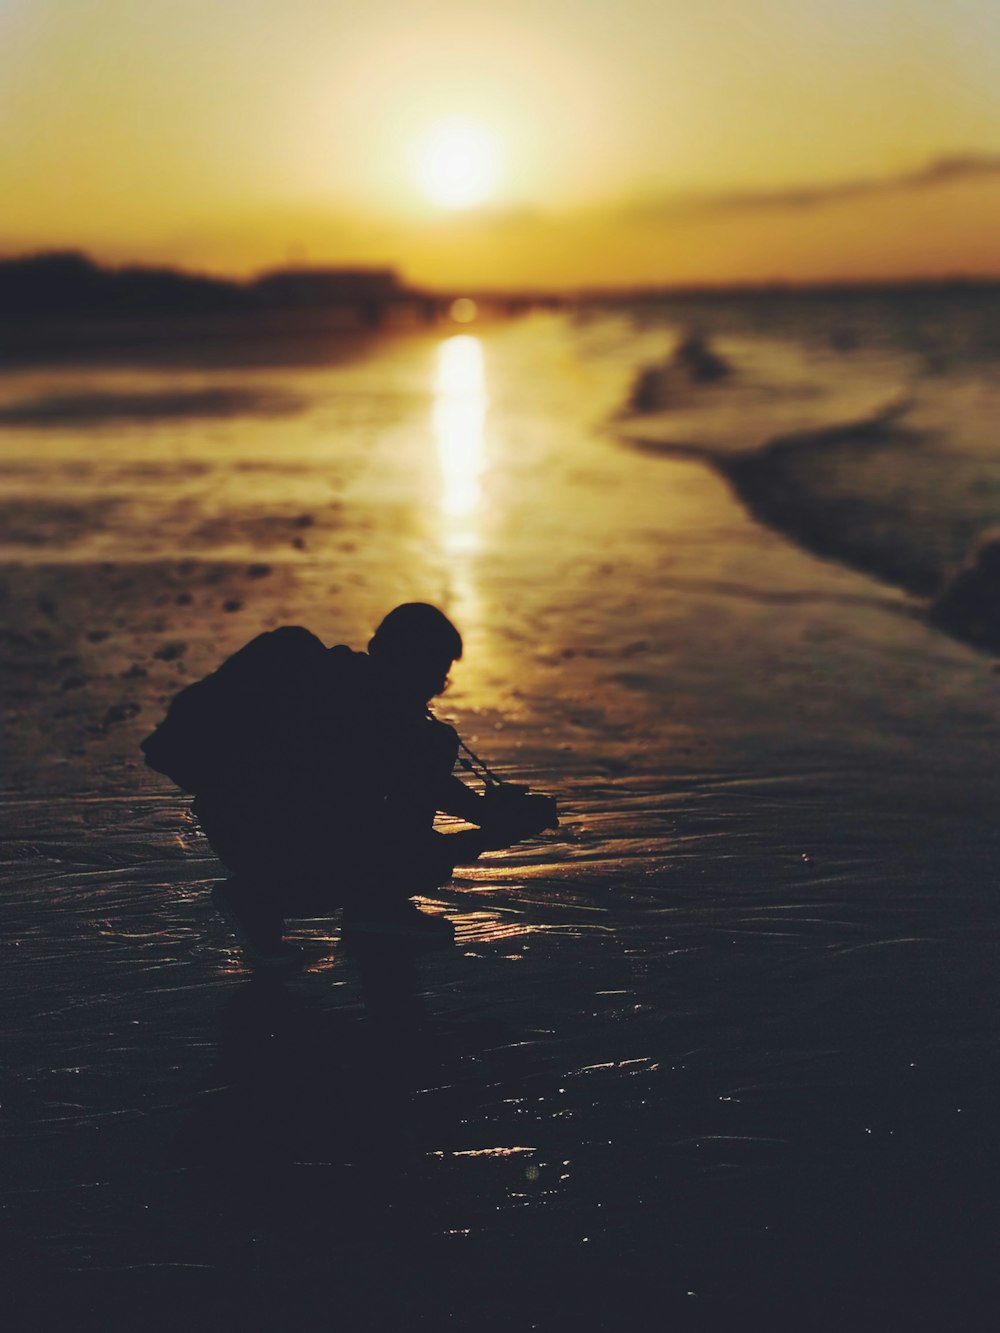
x: 69, y: 284
x: 193, y: 338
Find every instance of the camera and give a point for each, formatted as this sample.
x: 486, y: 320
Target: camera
x: 512, y: 811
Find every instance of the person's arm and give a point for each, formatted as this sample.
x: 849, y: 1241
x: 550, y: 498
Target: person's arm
x: 455, y: 798
x: 506, y: 815
x: 466, y: 846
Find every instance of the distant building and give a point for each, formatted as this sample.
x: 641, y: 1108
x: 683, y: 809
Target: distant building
x: 317, y: 287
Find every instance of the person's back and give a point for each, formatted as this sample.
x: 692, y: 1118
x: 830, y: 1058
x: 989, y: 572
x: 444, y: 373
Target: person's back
x: 294, y: 734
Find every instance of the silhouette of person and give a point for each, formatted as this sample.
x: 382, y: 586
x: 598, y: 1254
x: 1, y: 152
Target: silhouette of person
x: 325, y: 784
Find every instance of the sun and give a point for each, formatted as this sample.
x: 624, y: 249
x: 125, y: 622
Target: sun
x: 457, y: 164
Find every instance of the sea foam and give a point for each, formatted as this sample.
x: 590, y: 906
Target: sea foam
x: 857, y: 452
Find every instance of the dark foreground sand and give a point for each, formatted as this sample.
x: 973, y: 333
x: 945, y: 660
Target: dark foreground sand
x: 720, y: 1053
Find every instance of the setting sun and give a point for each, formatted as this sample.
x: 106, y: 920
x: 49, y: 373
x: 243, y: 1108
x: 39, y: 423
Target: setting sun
x: 457, y: 164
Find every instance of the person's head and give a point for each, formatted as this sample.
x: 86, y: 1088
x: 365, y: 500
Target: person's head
x: 414, y: 648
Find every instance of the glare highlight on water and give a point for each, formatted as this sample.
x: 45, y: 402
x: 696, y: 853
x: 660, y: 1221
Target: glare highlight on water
x: 458, y: 421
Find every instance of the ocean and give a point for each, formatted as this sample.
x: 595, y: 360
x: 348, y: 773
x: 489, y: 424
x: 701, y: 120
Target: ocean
x: 720, y: 1049
x: 865, y: 426
x: 862, y: 424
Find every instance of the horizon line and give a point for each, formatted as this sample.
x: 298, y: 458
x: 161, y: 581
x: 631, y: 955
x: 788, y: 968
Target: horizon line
x: 580, y: 291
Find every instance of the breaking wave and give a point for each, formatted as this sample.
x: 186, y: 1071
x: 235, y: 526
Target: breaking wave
x: 857, y: 458
x: 968, y: 606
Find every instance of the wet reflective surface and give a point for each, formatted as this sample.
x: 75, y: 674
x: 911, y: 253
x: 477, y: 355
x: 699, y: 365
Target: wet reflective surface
x: 709, y: 1070
x: 721, y: 1049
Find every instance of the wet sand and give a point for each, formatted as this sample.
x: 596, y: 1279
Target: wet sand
x: 720, y: 1050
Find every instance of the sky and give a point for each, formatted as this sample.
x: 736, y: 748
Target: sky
x: 600, y: 142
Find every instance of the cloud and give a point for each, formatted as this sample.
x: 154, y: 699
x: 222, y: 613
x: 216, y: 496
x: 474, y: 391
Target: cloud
x: 941, y: 171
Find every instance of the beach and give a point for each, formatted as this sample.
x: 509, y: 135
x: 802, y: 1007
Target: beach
x: 720, y: 1049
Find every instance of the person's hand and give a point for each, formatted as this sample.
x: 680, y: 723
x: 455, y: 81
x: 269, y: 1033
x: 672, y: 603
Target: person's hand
x: 516, y: 814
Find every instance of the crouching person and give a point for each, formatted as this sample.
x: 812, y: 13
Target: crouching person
x: 317, y: 774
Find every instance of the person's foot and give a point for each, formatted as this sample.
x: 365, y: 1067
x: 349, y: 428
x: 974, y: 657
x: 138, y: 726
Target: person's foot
x: 258, y: 931
x: 401, y: 922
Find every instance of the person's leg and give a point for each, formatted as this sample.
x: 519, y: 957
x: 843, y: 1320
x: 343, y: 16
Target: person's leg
x: 310, y: 876
x: 251, y: 911
x: 396, y: 919
x: 250, y: 901
x: 382, y: 907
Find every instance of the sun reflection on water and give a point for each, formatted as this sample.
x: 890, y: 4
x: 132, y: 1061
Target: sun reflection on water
x: 459, y: 418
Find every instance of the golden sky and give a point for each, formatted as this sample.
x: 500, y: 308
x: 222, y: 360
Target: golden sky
x: 641, y: 141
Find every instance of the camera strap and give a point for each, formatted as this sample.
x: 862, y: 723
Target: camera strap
x: 477, y: 767
x: 472, y: 763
